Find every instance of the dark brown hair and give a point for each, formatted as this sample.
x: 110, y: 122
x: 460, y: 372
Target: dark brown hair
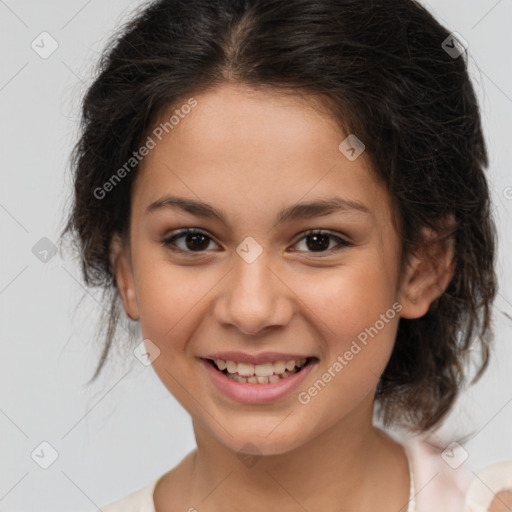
x: 384, y: 72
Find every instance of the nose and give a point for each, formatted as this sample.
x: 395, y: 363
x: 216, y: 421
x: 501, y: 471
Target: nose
x: 255, y: 298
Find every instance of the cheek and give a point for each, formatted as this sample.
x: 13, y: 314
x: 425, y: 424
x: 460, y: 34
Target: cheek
x: 359, y: 318
x: 169, y: 298
x: 171, y: 303
x: 351, y: 298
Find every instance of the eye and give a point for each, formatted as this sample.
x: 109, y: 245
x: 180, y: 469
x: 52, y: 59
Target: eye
x: 195, y: 240
x: 319, y: 241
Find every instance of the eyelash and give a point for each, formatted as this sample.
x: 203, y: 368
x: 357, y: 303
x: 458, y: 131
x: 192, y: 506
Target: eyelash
x: 169, y: 241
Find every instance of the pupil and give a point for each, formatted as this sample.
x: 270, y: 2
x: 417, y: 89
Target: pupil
x: 325, y: 245
x: 194, y: 237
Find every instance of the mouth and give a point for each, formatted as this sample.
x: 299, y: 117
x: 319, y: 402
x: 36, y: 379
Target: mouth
x: 266, y: 373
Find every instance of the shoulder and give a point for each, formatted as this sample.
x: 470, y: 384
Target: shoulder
x: 442, y: 474
x: 138, y: 501
x: 446, y: 481
x: 491, y: 489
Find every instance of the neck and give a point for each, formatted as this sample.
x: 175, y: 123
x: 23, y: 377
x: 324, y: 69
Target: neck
x: 349, y: 462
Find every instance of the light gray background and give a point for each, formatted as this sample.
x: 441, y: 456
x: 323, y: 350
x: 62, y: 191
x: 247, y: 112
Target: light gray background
x: 121, y: 433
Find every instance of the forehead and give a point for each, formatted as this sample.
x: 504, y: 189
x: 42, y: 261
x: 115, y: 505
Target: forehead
x: 251, y: 153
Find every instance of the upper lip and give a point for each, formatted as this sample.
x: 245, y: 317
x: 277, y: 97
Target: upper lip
x: 263, y: 357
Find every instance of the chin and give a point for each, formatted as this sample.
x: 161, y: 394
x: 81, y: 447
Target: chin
x: 259, y: 444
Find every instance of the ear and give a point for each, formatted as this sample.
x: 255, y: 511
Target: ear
x: 120, y: 258
x: 428, y: 273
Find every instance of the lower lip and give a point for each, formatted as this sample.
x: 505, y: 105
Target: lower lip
x: 257, y: 393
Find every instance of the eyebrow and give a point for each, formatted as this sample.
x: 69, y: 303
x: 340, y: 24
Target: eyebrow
x: 295, y: 212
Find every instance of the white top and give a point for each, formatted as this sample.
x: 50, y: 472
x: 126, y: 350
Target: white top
x: 440, y: 482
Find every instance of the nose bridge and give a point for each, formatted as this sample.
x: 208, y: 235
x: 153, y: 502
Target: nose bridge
x: 254, y: 297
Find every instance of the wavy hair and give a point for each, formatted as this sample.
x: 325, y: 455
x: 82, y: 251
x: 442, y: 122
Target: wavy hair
x: 382, y: 70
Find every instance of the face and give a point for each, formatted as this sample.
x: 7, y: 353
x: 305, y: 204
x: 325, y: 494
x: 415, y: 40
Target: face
x: 253, y: 280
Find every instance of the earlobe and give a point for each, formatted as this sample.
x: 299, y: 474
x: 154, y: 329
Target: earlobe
x: 121, y: 265
x: 428, y: 274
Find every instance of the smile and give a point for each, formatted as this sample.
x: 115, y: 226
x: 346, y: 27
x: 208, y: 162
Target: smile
x: 259, y: 383
x: 265, y: 373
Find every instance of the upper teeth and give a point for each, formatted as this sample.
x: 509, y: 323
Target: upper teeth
x: 260, y: 370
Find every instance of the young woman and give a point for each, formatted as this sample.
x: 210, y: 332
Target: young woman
x: 290, y: 199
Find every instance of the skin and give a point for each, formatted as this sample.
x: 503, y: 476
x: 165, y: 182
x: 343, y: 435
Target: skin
x: 252, y: 153
x: 502, y: 502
